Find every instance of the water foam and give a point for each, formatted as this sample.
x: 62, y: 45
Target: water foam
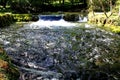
x: 51, y: 24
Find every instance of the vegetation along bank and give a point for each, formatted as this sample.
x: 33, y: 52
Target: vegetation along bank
x: 7, y: 70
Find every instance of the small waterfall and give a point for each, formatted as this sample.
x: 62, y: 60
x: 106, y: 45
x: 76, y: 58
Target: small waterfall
x: 50, y: 17
x: 83, y: 19
x: 54, y: 22
x: 51, y: 22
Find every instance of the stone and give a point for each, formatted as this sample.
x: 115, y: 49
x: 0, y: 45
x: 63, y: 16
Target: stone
x: 2, y: 76
x: 3, y: 64
x: 35, y: 18
x: 71, y: 17
x: 1, y: 50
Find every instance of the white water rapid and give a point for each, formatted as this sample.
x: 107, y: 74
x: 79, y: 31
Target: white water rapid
x: 53, y: 22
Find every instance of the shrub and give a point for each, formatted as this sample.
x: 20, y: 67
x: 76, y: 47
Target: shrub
x: 22, y: 17
x: 6, y: 20
x: 115, y: 29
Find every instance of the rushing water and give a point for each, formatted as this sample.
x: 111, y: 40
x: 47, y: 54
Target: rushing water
x: 59, y: 50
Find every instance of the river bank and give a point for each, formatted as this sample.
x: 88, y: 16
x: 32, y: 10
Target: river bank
x: 7, y: 70
x: 110, y: 24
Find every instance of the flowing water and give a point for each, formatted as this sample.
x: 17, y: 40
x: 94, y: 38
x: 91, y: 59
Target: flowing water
x: 59, y: 50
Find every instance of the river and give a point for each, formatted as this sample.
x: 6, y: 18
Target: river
x: 72, y: 51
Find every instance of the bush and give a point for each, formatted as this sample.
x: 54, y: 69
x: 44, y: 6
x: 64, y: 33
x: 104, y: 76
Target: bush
x: 22, y: 17
x: 6, y: 20
x: 112, y: 23
x: 115, y: 29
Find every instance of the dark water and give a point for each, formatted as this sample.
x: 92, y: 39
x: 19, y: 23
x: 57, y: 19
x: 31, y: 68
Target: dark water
x: 75, y: 53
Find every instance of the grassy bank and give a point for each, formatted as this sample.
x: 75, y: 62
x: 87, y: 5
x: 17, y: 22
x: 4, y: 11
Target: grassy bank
x: 8, y: 18
x: 7, y: 70
x: 111, y: 24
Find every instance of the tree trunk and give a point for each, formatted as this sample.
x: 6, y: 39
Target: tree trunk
x: 85, y: 3
x: 63, y: 2
x: 60, y: 2
x: 103, y: 8
x: 110, y: 5
x: 72, y: 2
x: 119, y: 12
x: 91, y: 3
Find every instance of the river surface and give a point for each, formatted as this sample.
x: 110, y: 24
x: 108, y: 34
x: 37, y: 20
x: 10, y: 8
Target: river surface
x: 59, y: 52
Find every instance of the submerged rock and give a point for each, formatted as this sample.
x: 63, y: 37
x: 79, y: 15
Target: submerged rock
x: 35, y: 18
x: 71, y: 17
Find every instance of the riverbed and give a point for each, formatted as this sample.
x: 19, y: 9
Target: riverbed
x: 60, y: 53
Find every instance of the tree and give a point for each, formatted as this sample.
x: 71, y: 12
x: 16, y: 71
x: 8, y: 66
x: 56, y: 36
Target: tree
x: 103, y: 8
x: 3, y: 3
x: 91, y: 7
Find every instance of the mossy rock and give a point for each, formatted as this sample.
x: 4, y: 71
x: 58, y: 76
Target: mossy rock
x: 35, y: 18
x: 71, y: 17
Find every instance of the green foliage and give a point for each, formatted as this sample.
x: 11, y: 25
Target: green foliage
x: 22, y: 17
x: 115, y: 29
x: 4, y: 10
x: 96, y: 6
x: 117, y: 6
x: 37, y: 6
x: 112, y: 23
x: 3, y: 3
x: 6, y: 20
